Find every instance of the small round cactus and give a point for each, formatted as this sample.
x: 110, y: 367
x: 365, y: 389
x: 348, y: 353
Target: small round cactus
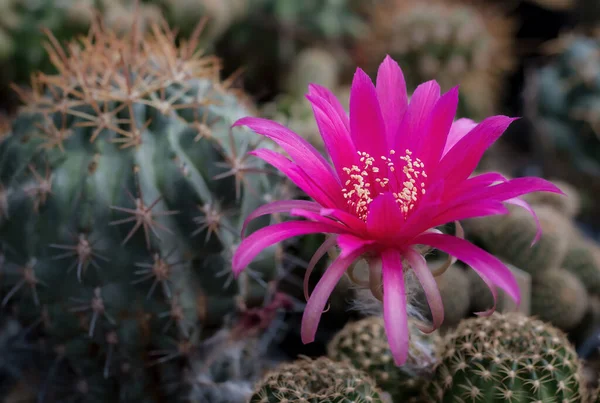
x: 507, y: 358
x: 568, y: 205
x: 364, y: 344
x: 510, y: 237
x: 583, y: 260
x: 559, y: 297
x: 316, y: 381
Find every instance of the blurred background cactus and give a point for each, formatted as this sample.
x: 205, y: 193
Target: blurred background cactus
x: 451, y: 41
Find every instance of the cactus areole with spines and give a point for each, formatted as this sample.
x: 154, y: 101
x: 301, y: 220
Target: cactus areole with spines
x: 122, y: 194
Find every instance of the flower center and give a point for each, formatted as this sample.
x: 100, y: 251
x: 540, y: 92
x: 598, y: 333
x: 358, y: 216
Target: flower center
x: 372, y: 177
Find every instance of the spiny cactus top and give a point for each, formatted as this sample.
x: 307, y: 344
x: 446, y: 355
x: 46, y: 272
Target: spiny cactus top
x: 123, y: 190
x: 399, y: 170
x: 317, y: 381
x: 507, y: 358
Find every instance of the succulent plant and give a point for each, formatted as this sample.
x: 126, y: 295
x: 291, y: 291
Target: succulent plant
x: 507, y: 358
x: 563, y: 98
x: 453, y: 42
x: 123, y: 191
x: 510, y: 237
x: 569, y: 205
x: 456, y: 304
x: 559, y: 298
x: 583, y: 261
x: 363, y: 343
x: 316, y: 381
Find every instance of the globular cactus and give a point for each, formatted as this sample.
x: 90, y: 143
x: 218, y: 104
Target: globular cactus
x: 316, y: 381
x: 510, y: 237
x: 583, y: 260
x: 559, y: 298
x: 453, y: 42
x: 507, y: 358
x: 124, y: 190
x: 456, y: 304
x: 569, y: 205
x: 364, y: 344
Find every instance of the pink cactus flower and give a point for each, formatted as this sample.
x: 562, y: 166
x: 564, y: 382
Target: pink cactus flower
x: 398, y: 170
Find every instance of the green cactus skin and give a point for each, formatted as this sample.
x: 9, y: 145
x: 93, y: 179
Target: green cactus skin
x: 559, y: 297
x: 507, y: 358
x: 125, y: 189
x: 510, y: 236
x: 481, y: 296
x: 452, y: 42
x: 316, y: 381
x: 583, y: 260
x: 364, y: 344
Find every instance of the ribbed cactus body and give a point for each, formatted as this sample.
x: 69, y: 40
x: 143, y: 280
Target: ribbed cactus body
x: 364, y: 344
x: 510, y: 237
x: 316, y: 381
x: 583, y: 261
x: 125, y: 192
x: 455, y: 290
x: 507, y: 358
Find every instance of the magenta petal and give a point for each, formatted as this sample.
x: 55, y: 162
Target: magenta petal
x: 280, y: 206
x: 321, y: 251
x: 300, y: 150
x: 384, y: 216
x: 392, y: 96
x: 320, y: 91
x: 478, y: 259
x: 318, y: 217
x: 458, y: 130
x: 251, y: 246
x: 349, y: 219
x: 394, y: 305
x: 431, y: 142
x: 462, y: 159
x: 366, y: 122
x: 415, y: 118
x: 518, y: 187
x: 350, y: 243
x: 430, y: 287
x: 335, y: 134
x: 494, y: 292
x: 320, y: 295
x: 299, y: 177
x: 522, y: 203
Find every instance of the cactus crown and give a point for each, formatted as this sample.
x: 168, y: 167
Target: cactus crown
x: 320, y: 380
x: 507, y: 357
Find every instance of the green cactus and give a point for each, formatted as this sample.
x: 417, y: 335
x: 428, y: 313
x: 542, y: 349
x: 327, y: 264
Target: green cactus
x: 124, y: 190
x: 481, y: 296
x: 510, y: 237
x: 583, y: 260
x: 569, y: 205
x: 316, y: 381
x: 451, y: 42
x: 456, y: 304
x: 364, y: 344
x: 507, y: 358
x: 558, y: 297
